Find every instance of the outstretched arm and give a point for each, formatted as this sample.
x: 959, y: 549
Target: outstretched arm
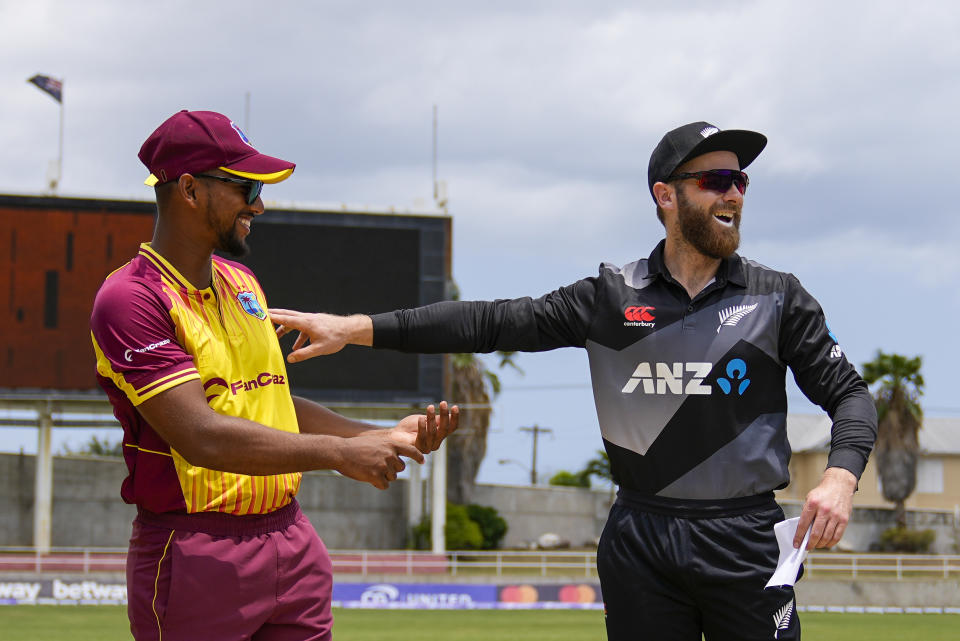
x: 558, y: 319
x: 327, y: 333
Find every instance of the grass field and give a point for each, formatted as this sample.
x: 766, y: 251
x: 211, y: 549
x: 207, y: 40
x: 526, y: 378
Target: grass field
x: 109, y: 623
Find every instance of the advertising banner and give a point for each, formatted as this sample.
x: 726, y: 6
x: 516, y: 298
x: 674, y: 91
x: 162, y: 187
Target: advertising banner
x: 425, y: 596
x: 428, y: 596
x: 56, y: 592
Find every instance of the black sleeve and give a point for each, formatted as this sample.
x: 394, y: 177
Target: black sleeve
x: 827, y: 378
x: 558, y: 319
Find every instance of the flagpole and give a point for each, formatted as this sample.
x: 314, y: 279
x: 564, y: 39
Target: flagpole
x: 60, y: 146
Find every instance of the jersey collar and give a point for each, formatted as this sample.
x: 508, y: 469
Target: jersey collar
x: 167, y: 270
x: 730, y: 270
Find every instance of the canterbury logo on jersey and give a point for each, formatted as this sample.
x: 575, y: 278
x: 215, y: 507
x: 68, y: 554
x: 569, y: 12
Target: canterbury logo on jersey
x: 639, y: 316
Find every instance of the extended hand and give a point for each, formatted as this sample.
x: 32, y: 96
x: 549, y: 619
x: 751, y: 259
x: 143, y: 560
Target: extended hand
x: 327, y: 333
x: 373, y: 459
x: 827, y: 509
x: 426, y: 432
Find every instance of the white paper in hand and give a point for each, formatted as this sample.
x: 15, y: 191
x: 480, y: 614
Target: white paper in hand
x: 788, y: 566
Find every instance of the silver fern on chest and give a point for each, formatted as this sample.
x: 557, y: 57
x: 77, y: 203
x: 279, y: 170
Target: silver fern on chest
x: 732, y: 315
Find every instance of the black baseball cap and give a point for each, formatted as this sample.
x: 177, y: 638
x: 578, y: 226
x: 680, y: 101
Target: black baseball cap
x: 695, y: 139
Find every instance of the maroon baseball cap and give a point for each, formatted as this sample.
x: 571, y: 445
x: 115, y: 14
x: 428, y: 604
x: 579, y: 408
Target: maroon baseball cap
x: 191, y: 142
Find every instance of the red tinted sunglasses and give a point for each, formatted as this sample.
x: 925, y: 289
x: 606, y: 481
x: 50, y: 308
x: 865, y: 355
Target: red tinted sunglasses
x: 718, y: 180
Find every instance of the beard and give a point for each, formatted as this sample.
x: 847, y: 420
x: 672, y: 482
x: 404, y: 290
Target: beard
x: 228, y: 240
x: 699, y: 229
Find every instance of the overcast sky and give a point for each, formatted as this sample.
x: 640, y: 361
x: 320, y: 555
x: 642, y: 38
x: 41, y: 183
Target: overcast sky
x: 548, y: 112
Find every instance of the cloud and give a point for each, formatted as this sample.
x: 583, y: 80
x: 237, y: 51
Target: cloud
x: 883, y: 257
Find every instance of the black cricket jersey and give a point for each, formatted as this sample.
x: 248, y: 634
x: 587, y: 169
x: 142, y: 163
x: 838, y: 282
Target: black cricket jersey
x: 690, y: 393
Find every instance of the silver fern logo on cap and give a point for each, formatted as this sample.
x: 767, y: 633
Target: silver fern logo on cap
x: 708, y: 131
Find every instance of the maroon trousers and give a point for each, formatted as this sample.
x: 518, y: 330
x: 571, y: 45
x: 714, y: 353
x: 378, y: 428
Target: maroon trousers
x: 216, y: 576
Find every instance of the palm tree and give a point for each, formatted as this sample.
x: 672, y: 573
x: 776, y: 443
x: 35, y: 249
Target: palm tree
x: 900, y: 416
x: 599, y: 466
x: 473, y: 386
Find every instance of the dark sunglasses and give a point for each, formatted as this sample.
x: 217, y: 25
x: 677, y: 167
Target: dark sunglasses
x: 718, y: 180
x: 253, y: 186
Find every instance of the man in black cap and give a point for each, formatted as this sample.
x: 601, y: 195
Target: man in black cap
x: 688, y: 353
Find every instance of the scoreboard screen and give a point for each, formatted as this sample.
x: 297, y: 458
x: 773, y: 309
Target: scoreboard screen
x: 57, y: 251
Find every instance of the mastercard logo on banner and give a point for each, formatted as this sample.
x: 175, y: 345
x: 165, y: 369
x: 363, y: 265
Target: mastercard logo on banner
x: 519, y: 594
x: 578, y: 594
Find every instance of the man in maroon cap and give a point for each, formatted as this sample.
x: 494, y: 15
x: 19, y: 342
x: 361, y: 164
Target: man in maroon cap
x: 213, y: 440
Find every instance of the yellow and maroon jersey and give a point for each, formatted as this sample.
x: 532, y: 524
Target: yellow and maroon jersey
x: 153, y: 330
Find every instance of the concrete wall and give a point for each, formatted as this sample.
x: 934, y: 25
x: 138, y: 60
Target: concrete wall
x: 88, y: 511
x: 576, y: 515
x: 352, y: 515
x: 866, y: 592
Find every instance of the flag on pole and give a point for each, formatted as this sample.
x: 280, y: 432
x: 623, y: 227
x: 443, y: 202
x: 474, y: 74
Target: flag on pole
x: 52, y: 86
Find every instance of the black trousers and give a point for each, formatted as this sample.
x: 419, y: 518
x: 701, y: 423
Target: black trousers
x: 670, y: 577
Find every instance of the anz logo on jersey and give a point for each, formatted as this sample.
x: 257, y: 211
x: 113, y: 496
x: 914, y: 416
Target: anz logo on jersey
x: 687, y: 378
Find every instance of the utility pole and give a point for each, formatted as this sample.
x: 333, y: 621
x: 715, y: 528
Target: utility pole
x: 536, y: 431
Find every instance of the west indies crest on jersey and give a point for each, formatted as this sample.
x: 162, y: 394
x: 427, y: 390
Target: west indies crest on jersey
x: 250, y: 304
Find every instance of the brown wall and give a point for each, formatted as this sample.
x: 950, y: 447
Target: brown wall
x: 54, y: 254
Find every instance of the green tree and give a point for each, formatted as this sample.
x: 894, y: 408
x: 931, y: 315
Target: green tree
x: 899, y: 386
x: 599, y: 466
x: 570, y: 479
x: 96, y: 447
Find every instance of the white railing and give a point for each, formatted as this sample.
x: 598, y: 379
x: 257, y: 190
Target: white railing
x: 501, y: 563
x: 826, y: 565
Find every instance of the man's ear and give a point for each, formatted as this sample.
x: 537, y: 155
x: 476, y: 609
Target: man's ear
x: 665, y: 195
x: 187, y: 189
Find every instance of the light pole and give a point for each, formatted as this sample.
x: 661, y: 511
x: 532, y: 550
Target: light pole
x: 533, y: 474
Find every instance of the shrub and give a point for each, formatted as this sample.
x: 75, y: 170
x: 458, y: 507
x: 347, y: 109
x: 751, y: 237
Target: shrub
x: 492, y: 526
x: 461, y: 531
x: 470, y: 527
x: 569, y: 479
x: 900, y: 539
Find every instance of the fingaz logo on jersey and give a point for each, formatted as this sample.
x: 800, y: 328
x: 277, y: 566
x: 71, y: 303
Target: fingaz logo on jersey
x: 262, y: 379
x: 686, y: 378
x: 250, y: 304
